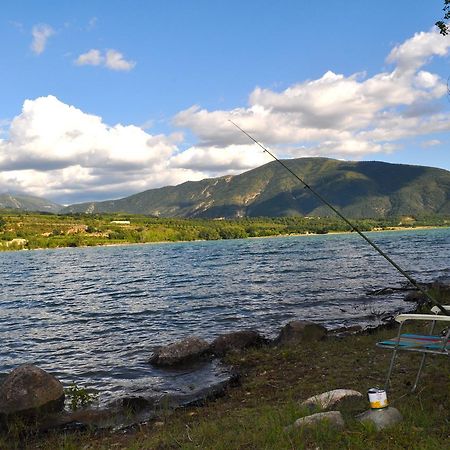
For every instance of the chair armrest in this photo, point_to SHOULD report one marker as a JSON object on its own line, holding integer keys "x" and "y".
{"x": 437, "y": 310}
{"x": 403, "y": 317}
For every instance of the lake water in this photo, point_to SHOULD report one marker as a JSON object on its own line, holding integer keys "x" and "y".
{"x": 93, "y": 315}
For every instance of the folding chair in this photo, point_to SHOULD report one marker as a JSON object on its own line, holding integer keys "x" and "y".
{"x": 425, "y": 344}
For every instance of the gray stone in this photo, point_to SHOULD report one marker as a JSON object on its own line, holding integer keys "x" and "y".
{"x": 381, "y": 418}
{"x": 237, "y": 340}
{"x": 29, "y": 390}
{"x": 301, "y": 331}
{"x": 331, "y": 398}
{"x": 333, "y": 418}
{"x": 185, "y": 351}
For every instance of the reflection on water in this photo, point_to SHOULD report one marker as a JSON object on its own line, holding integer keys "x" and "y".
{"x": 93, "y": 315}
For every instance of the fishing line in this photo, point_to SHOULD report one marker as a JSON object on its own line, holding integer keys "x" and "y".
{"x": 350, "y": 224}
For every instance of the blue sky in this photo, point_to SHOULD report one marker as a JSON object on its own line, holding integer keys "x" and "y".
{"x": 102, "y": 99}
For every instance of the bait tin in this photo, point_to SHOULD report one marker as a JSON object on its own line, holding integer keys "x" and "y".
{"x": 377, "y": 398}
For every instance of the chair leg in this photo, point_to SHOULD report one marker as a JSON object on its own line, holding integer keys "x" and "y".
{"x": 391, "y": 366}
{"x": 422, "y": 362}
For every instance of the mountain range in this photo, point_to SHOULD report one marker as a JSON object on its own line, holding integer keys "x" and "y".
{"x": 358, "y": 189}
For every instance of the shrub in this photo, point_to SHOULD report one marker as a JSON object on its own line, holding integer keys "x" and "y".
{"x": 79, "y": 397}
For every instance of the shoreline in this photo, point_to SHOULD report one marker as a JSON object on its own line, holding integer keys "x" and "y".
{"x": 267, "y": 396}
{"x": 120, "y": 244}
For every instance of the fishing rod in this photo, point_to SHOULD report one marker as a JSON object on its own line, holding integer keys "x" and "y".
{"x": 350, "y": 224}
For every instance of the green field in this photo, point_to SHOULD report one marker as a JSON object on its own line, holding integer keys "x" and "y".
{"x": 34, "y": 230}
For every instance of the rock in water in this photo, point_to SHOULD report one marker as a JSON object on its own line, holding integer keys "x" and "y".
{"x": 381, "y": 418}
{"x": 185, "y": 351}
{"x": 29, "y": 390}
{"x": 331, "y": 398}
{"x": 237, "y": 340}
{"x": 301, "y": 331}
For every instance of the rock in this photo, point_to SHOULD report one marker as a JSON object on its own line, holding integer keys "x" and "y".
{"x": 415, "y": 297}
{"x": 185, "y": 351}
{"x": 331, "y": 398}
{"x": 301, "y": 331}
{"x": 333, "y": 418}
{"x": 381, "y": 418}
{"x": 29, "y": 390}
{"x": 237, "y": 340}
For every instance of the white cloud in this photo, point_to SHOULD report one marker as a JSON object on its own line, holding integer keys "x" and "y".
{"x": 415, "y": 52}
{"x": 92, "y": 58}
{"x": 231, "y": 159}
{"x": 58, "y": 151}
{"x": 41, "y": 34}
{"x": 112, "y": 59}
{"x": 335, "y": 115}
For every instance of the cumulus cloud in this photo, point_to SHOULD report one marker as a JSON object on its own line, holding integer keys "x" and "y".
{"x": 60, "y": 152}
{"x": 336, "y": 115}
{"x": 41, "y": 33}
{"x": 231, "y": 159}
{"x": 415, "y": 52}
{"x": 112, "y": 59}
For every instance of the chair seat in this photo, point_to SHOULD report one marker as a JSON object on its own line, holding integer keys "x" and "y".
{"x": 416, "y": 341}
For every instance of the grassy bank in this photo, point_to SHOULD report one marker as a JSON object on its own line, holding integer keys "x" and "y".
{"x": 32, "y": 230}
{"x": 274, "y": 382}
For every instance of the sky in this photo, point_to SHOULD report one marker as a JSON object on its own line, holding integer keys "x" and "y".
{"x": 103, "y": 99}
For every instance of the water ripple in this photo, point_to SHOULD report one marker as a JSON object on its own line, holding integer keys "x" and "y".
{"x": 93, "y": 315}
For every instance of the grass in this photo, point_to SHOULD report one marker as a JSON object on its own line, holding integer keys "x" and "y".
{"x": 275, "y": 380}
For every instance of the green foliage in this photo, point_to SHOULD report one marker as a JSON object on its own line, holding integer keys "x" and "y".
{"x": 77, "y": 230}
{"x": 441, "y": 24}
{"x": 79, "y": 397}
{"x": 209, "y": 234}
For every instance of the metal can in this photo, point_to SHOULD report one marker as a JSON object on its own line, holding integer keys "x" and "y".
{"x": 377, "y": 398}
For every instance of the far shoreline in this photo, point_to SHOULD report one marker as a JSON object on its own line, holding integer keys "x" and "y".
{"x": 120, "y": 244}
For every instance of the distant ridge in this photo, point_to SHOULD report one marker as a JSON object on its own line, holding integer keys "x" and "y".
{"x": 359, "y": 189}
{"x": 25, "y": 202}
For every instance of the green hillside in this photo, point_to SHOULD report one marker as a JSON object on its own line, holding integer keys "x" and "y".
{"x": 28, "y": 203}
{"x": 358, "y": 189}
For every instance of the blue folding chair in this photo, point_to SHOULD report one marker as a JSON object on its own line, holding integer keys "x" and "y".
{"x": 419, "y": 343}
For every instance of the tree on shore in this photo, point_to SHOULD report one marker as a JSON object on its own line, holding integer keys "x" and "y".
{"x": 441, "y": 24}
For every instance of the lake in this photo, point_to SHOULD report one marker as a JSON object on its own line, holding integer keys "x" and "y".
{"x": 92, "y": 315}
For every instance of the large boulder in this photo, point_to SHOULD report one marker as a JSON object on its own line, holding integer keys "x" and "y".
{"x": 301, "y": 331}
{"x": 182, "y": 352}
{"x": 29, "y": 390}
{"x": 237, "y": 340}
